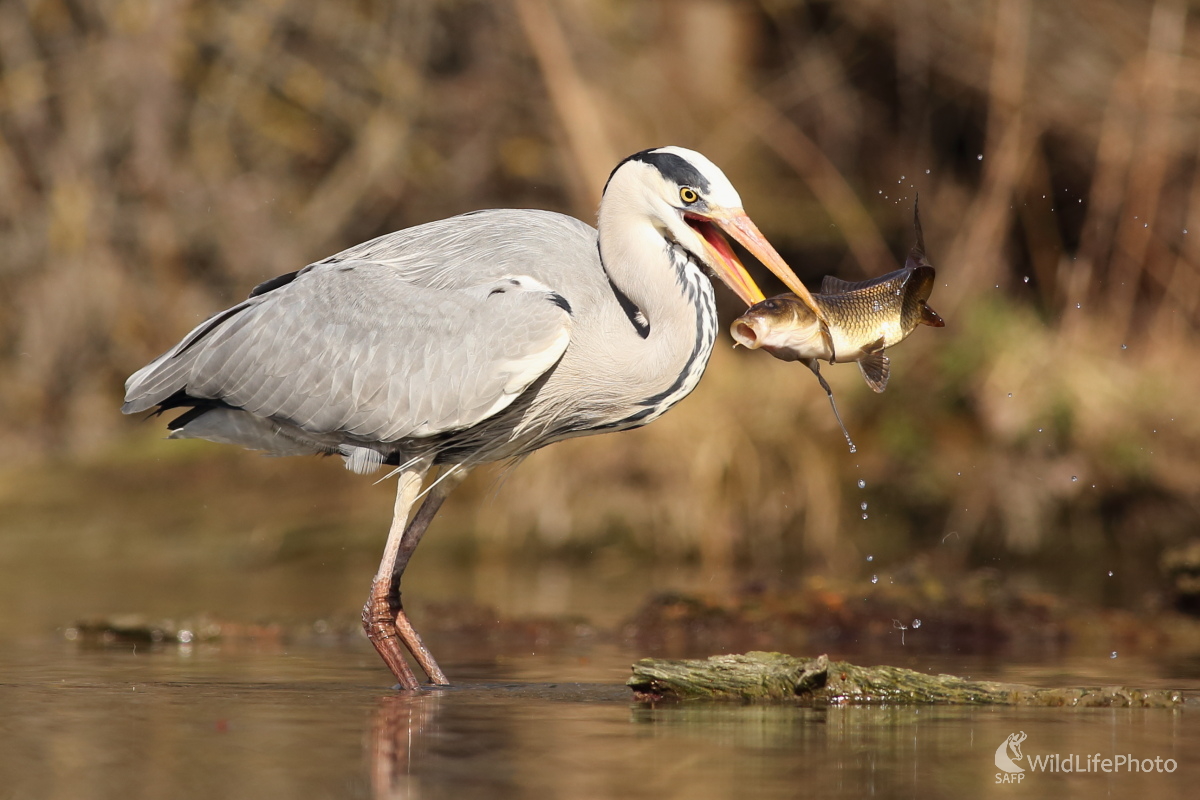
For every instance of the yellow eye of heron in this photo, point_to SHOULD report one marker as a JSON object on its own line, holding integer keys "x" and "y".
{"x": 688, "y": 195}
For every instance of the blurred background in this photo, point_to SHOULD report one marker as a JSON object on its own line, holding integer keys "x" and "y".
{"x": 158, "y": 159}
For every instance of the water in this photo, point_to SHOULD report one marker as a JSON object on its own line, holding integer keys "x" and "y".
{"x": 303, "y": 707}
{"x": 319, "y": 721}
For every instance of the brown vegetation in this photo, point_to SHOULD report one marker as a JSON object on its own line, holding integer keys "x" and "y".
{"x": 158, "y": 159}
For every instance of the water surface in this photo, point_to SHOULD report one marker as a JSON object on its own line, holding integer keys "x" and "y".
{"x": 299, "y": 705}
{"x": 318, "y": 720}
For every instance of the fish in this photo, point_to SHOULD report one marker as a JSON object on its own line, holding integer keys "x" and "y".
{"x": 864, "y": 318}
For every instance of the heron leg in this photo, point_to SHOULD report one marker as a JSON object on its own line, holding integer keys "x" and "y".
{"x": 379, "y": 614}
{"x": 384, "y": 619}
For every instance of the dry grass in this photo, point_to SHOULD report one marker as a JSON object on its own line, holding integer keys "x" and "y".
{"x": 158, "y": 159}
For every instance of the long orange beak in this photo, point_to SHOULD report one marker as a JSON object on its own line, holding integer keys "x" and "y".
{"x": 737, "y": 224}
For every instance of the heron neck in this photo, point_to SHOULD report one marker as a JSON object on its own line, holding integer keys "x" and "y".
{"x": 668, "y": 301}
{"x": 649, "y": 280}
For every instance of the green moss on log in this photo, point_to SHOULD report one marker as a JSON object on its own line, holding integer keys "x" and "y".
{"x": 760, "y": 676}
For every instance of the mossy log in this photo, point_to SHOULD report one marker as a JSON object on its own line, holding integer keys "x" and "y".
{"x": 777, "y": 677}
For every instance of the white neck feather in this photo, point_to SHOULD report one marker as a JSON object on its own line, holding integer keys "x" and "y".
{"x": 655, "y": 275}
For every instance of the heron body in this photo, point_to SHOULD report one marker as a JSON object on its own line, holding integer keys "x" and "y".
{"x": 468, "y": 340}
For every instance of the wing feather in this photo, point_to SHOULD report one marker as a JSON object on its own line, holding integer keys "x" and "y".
{"x": 353, "y": 348}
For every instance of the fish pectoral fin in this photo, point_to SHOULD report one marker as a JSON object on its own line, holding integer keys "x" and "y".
{"x": 930, "y": 317}
{"x": 875, "y": 368}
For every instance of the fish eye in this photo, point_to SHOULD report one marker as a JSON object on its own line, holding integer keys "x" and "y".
{"x": 688, "y": 195}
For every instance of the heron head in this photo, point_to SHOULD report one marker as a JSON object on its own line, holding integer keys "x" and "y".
{"x": 692, "y": 203}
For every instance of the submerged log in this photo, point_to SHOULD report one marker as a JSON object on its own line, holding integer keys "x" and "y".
{"x": 758, "y": 676}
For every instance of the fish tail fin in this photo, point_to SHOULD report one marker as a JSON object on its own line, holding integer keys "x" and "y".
{"x": 916, "y": 256}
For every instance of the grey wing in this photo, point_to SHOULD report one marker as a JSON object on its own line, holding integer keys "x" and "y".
{"x": 466, "y": 250}
{"x": 352, "y": 349}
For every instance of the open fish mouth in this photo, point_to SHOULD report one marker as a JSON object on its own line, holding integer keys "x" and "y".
{"x": 745, "y": 334}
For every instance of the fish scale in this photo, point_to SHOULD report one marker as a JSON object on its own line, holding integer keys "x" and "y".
{"x": 883, "y": 311}
{"x": 861, "y": 319}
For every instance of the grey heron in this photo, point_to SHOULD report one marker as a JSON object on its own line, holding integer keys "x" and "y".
{"x": 473, "y": 339}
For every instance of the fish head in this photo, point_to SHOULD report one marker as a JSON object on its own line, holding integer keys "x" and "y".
{"x": 785, "y": 327}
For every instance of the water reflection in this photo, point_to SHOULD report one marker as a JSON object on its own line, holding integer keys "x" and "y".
{"x": 587, "y": 740}
{"x": 308, "y": 720}
{"x": 399, "y": 726}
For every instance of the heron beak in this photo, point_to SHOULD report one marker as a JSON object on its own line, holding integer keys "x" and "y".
{"x": 737, "y": 224}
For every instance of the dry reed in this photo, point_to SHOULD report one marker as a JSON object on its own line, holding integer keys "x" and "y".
{"x": 158, "y": 159}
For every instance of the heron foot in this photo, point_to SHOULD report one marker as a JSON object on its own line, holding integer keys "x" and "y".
{"x": 412, "y": 640}
{"x": 391, "y": 632}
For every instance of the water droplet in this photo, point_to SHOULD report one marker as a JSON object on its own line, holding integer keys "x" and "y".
{"x": 870, "y": 558}
{"x": 862, "y": 484}
{"x": 1074, "y": 478}
{"x": 1145, "y": 224}
{"x": 1185, "y": 230}
{"x": 1124, "y": 347}
{"x": 916, "y": 623}
{"x": 1079, "y": 305}
{"x": 874, "y": 579}
{"x": 863, "y": 505}
{"x": 1025, "y": 279}
{"x": 1039, "y": 430}
{"x": 927, "y": 172}
{"x": 853, "y": 449}
{"x": 1110, "y": 573}
{"x": 979, "y": 157}
{"x": 1010, "y": 394}
{"x": 1114, "y": 654}
{"x": 959, "y": 474}
{"x": 864, "y": 516}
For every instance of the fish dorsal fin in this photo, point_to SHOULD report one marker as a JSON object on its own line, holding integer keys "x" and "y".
{"x": 875, "y": 366}
{"x": 832, "y": 285}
